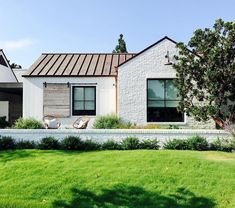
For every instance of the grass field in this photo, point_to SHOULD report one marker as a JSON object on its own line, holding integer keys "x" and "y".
{"x": 103, "y": 179}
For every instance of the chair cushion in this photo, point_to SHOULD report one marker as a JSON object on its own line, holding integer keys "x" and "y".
{"x": 52, "y": 124}
{"x": 80, "y": 125}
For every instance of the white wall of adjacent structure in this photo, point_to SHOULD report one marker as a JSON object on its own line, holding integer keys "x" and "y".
{"x": 33, "y": 96}
{"x": 6, "y": 74}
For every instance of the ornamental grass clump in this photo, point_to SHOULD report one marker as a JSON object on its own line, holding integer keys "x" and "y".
{"x": 130, "y": 143}
{"x": 110, "y": 121}
{"x": 27, "y": 123}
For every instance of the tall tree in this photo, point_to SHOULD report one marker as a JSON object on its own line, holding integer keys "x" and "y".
{"x": 121, "y": 46}
{"x": 206, "y": 77}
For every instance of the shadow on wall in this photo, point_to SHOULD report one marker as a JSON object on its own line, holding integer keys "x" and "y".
{"x": 133, "y": 197}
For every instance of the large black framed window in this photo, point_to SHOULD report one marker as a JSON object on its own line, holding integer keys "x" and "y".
{"x": 162, "y": 101}
{"x": 84, "y": 100}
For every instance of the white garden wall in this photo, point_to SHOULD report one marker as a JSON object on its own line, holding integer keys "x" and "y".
{"x": 33, "y": 95}
{"x": 101, "y": 135}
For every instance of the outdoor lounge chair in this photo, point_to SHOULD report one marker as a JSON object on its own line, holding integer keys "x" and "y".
{"x": 51, "y": 122}
{"x": 81, "y": 123}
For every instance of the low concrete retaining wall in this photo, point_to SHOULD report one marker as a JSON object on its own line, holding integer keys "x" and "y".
{"x": 101, "y": 135}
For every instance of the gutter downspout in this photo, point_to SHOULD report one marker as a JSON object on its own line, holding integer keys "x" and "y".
{"x": 116, "y": 89}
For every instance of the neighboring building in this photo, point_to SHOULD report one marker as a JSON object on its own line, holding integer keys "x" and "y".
{"x": 11, "y": 89}
{"x": 136, "y": 86}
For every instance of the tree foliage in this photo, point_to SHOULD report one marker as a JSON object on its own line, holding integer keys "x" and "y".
{"x": 121, "y": 46}
{"x": 206, "y": 74}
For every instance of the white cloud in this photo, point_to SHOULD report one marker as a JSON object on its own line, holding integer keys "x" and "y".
{"x": 16, "y": 44}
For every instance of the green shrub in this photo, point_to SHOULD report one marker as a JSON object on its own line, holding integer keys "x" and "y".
{"x": 27, "y": 123}
{"x": 91, "y": 145}
{"x": 23, "y": 144}
{"x": 125, "y": 125}
{"x": 173, "y": 126}
{"x": 3, "y": 122}
{"x": 111, "y": 145}
{"x": 197, "y": 143}
{"x": 110, "y": 121}
{"x": 7, "y": 143}
{"x": 226, "y": 145}
{"x": 193, "y": 143}
{"x": 130, "y": 143}
{"x": 176, "y": 144}
{"x": 149, "y": 144}
{"x": 49, "y": 143}
{"x": 72, "y": 143}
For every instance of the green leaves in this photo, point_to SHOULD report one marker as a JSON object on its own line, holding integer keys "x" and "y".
{"x": 206, "y": 76}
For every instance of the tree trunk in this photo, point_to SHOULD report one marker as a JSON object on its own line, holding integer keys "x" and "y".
{"x": 219, "y": 122}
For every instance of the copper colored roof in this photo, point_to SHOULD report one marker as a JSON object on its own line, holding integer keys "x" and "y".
{"x": 77, "y": 64}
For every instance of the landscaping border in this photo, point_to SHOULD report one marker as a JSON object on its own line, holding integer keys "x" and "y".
{"x": 102, "y": 135}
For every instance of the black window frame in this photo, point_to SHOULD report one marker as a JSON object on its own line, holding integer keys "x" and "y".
{"x": 167, "y": 112}
{"x": 83, "y": 112}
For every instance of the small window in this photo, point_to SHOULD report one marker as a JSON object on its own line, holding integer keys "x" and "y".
{"x": 84, "y": 101}
{"x": 162, "y": 101}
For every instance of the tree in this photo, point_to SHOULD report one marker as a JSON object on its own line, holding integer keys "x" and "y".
{"x": 206, "y": 74}
{"x": 121, "y": 47}
{"x": 15, "y": 66}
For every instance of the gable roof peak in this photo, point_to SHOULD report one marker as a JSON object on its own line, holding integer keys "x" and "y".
{"x": 164, "y": 38}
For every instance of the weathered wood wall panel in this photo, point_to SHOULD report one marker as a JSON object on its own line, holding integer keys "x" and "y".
{"x": 56, "y": 100}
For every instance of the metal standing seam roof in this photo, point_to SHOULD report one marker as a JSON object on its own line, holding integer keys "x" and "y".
{"x": 77, "y": 64}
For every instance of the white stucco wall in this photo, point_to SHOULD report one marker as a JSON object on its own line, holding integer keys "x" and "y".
{"x": 33, "y": 96}
{"x": 6, "y": 74}
{"x": 4, "y": 109}
{"x": 18, "y": 73}
{"x": 132, "y": 83}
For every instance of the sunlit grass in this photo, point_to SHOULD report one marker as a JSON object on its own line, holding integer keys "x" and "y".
{"x": 141, "y": 178}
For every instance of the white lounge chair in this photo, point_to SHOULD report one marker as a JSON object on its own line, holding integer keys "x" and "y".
{"x": 51, "y": 122}
{"x": 81, "y": 123}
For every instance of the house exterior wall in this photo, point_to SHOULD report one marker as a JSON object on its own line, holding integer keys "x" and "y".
{"x": 132, "y": 83}
{"x": 6, "y": 73}
{"x": 18, "y": 73}
{"x": 33, "y": 96}
{"x": 14, "y": 100}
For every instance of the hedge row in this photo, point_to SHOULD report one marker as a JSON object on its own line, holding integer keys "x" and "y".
{"x": 129, "y": 143}
{"x": 75, "y": 143}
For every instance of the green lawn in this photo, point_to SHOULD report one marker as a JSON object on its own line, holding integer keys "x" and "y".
{"x": 141, "y": 178}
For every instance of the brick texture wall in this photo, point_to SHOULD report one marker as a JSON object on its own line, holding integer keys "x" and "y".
{"x": 132, "y": 83}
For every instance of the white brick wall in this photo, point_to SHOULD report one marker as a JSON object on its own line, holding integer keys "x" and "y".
{"x": 132, "y": 83}
{"x": 102, "y": 135}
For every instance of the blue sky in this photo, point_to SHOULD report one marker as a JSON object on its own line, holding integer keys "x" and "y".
{"x": 29, "y": 27}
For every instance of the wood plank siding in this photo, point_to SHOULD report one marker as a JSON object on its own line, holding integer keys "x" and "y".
{"x": 56, "y": 100}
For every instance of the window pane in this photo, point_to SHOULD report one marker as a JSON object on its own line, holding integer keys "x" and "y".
{"x": 156, "y": 89}
{"x": 78, "y": 93}
{"x": 153, "y": 104}
{"x": 172, "y": 104}
{"x": 89, "y": 93}
{"x": 78, "y": 105}
{"x": 171, "y": 90}
{"x": 89, "y": 105}
{"x": 164, "y": 115}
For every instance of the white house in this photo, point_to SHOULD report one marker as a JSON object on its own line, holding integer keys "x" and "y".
{"x": 71, "y": 85}
{"x": 138, "y": 87}
{"x": 11, "y": 88}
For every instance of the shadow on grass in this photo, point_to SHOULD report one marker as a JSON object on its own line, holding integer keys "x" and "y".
{"x": 133, "y": 197}
{"x": 9, "y": 155}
